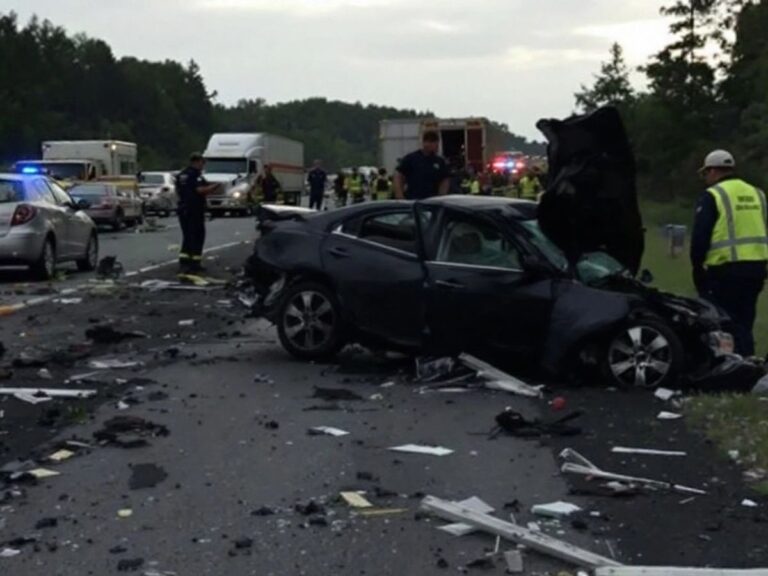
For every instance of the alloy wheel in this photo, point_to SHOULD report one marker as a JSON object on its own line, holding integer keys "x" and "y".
{"x": 309, "y": 320}
{"x": 640, "y": 356}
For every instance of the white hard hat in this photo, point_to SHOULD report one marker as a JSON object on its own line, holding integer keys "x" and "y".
{"x": 719, "y": 159}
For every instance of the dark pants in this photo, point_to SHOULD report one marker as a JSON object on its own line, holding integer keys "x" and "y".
{"x": 738, "y": 297}
{"x": 316, "y": 199}
{"x": 193, "y": 237}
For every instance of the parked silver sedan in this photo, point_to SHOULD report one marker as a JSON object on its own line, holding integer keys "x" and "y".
{"x": 158, "y": 191}
{"x": 41, "y": 226}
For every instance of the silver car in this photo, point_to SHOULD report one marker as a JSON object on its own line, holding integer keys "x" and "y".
{"x": 41, "y": 226}
{"x": 158, "y": 191}
{"x": 110, "y": 203}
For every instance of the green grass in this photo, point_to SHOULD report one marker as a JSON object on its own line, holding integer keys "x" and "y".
{"x": 735, "y": 422}
{"x": 673, "y": 274}
{"x": 732, "y": 421}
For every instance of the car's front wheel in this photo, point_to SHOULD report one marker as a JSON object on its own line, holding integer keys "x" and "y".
{"x": 309, "y": 322}
{"x": 644, "y": 353}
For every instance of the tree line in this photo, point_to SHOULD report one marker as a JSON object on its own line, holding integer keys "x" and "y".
{"x": 707, "y": 89}
{"x": 58, "y": 86}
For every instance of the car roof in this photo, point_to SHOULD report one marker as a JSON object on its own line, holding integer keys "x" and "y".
{"x": 521, "y": 209}
{"x": 20, "y": 177}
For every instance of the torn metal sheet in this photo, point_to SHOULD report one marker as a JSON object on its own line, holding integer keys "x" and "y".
{"x": 534, "y": 540}
{"x": 51, "y": 392}
{"x": 514, "y": 560}
{"x": 646, "y": 451}
{"x": 575, "y": 463}
{"x": 674, "y": 571}
{"x": 498, "y": 380}
{"x": 665, "y": 394}
{"x": 419, "y": 449}
{"x": 31, "y": 398}
{"x": 61, "y": 455}
{"x": 461, "y": 529}
{"x": 663, "y": 415}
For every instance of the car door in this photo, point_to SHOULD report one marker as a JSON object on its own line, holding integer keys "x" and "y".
{"x": 479, "y": 297}
{"x": 78, "y": 225}
{"x": 54, "y": 214}
{"x": 373, "y": 259}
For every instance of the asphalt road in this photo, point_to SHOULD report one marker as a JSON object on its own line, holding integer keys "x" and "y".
{"x": 135, "y": 248}
{"x": 219, "y": 494}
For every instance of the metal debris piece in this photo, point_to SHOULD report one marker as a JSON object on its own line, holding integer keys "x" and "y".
{"x": 419, "y": 449}
{"x": 575, "y": 463}
{"x": 356, "y": 500}
{"x": 555, "y": 509}
{"x": 498, "y": 380}
{"x": 646, "y": 451}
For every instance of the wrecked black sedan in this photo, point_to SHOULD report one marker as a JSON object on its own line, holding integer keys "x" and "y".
{"x": 473, "y": 274}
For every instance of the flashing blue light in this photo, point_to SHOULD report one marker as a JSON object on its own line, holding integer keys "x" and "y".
{"x": 30, "y": 170}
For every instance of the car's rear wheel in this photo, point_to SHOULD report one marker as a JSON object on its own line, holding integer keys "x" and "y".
{"x": 45, "y": 266}
{"x": 644, "y": 353}
{"x": 91, "y": 259}
{"x": 309, "y": 322}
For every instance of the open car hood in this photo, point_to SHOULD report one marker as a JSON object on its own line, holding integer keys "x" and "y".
{"x": 591, "y": 200}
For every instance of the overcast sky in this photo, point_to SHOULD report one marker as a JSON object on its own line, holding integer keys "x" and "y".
{"x": 510, "y": 60}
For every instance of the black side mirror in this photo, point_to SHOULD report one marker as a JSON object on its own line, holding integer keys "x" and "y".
{"x": 646, "y": 277}
{"x": 535, "y": 265}
{"x": 82, "y": 204}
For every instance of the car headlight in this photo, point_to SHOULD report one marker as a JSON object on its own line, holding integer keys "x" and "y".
{"x": 721, "y": 343}
{"x": 237, "y": 194}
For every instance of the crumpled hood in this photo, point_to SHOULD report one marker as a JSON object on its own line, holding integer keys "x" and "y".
{"x": 591, "y": 199}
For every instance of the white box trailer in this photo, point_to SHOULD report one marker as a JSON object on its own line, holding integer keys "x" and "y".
{"x": 463, "y": 141}
{"x": 237, "y": 160}
{"x": 110, "y": 158}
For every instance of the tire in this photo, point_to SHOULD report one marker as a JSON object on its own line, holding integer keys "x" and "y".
{"x": 645, "y": 353}
{"x": 119, "y": 222}
{"x": 91, "y": 259}
{"x": 45, "y": 266}
{"x": 139, "y": 220}
{"x": 309, "y": 322}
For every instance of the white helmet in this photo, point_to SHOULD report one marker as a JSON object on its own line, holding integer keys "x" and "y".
{"x": 719, "y": 159}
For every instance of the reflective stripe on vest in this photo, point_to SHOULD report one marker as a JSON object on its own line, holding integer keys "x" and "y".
{"x": 355, "y": 185}
{"x": 740, "y": 232}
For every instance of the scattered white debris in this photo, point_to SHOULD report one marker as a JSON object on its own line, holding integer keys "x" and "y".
{"x": 665, "y": 394}
{"x": 31, "y": 398}
{"x": 329, "y": 430}
{"x": 461, "y": 529}
{"x": 123, "y": 405}
{"x": 646, "y": 451}
{"x": 112, "y": 364}
{"x": 514, "y": 560}
{"x": 749, "y": 503}
{"x": 41, "y": 473}
{"x": 61, "y": 455}
{"x": 669, "y": 415}
{"x": 555, "y": 509}
{"x": 186, "y": 323}
{"x": 9, "y": 552}
{"x": 387, "y": 385}
{"x": 49, "y": 392}
{"x": 419, "y": 449}
{"x": 356, "y": 500}
{"x": 125, "y": 513}
{"x": 498, "y": 380}
{"x": 733, "y": 455}
{"x": 67, "y": 301}
{"x": 45, "y": 374}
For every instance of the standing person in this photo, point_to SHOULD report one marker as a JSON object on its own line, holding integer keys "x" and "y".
{"x": 340, "y": 189}
{"x": 382, "y": 186}
{"x": 191, "y": 189}
{"x": 423, "y": 173}
{"x": 729, "y": 247}
{"x": 270, "y": 185}
{"x": 355, "y": 187}
{"x": 530, "y": 186}
{"x": 317, "y": 179}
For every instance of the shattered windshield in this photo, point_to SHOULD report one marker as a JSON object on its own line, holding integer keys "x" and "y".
{"x": 545, "y": 245}
{"x": 596, "y": 266}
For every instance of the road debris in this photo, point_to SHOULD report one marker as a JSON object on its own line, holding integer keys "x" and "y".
{"x": 49, "y": 392}
{"x": 61, "y": 455}
{"x": 327, "y": 431}
{"x": 575, "y": 463}
{"x": 498, "y": 380}
{"x": 356, "y": 499}
{"x": 130, "y": 565}
{"x": 129, "y": 431}
{"x": 125, "y": 513}
{"x": 516, "y": 424}
{"x": 109, "y": 268}
{"x": 674, "y": 571}
{"x": 420, "y": 449}
{"x": 665, "y": 394}
{"x": 186, "y": 323}
{"x": 534, "y": 540}
{"x": 336, "y": 394}
{"x": 555, "y": 509}
{"x": 514, "y": 561}
{"x": 646, "y": 451}
{"x": 113, "y": 364}
{"x": 106, "y": 334}
{"x": 461, "y": 529}
{"x": 747, "y": 503}
{"x": 663, "y": 415}
{"x": 45, "y": 374}
{"x": 9, "y": 552}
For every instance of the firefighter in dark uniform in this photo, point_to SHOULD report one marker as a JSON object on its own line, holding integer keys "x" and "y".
{"x": 191, "y": 189}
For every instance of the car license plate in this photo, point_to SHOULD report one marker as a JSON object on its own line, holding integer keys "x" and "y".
{"x": 721, "y": 343}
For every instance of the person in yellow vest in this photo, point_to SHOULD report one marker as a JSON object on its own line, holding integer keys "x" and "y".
{"x": 729, "y": 245}
{"x": 529, "y": 187}
{"x": 381, "y": 186}
{"x": 474, "y": 185}
{"x": 355, "y": 187}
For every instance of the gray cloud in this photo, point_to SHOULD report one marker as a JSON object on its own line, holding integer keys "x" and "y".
{"x": 511, "y": 60}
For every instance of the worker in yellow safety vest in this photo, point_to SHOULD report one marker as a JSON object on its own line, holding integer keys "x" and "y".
{"x": 529, "y": 187}
{"x": 381, "y": 187}
{"x": 355, "y": 187}
{"x": 474, "y": 185}
{"x": 729, "y": 245}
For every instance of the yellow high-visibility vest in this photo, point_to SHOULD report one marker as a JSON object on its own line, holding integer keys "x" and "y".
{"x": 474, "y": 188}
{"x": 355, "y": 184}
{"x": 529, "y": 188}
{"x": 740, "y": 233}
